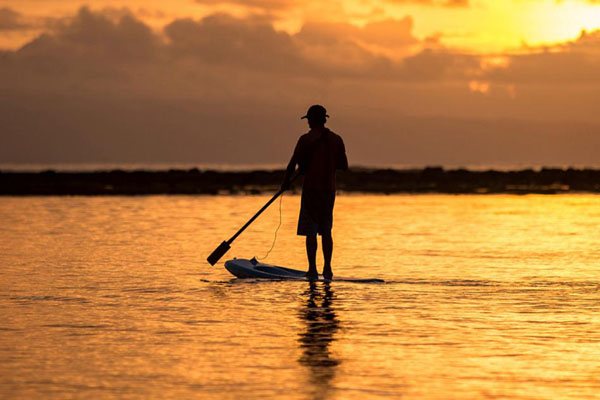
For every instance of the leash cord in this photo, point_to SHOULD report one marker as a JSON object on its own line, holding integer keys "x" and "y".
{"x": 276, "y": 230}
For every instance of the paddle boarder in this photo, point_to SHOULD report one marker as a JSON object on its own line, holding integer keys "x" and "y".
{"x": 318, "y": 154}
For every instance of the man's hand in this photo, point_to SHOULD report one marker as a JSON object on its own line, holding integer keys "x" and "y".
{"x": 286, "y": 184}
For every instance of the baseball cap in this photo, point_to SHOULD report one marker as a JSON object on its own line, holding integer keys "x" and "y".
{"x": 316, "y": 110}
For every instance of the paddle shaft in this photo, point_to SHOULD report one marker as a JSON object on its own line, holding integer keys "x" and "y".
{"x": 243, "y": 228}
{"x": 224, "y": 247}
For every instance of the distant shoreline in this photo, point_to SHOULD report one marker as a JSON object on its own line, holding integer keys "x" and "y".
{"x": 361, "y": 180}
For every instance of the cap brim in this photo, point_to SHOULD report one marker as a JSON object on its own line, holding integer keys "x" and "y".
{"x": 306, "y": 116}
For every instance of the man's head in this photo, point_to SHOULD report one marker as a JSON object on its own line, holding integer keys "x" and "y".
{"x": 316, "y": 115}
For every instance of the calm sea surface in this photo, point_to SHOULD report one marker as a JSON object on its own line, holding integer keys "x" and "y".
{"x": 485, "y": 297}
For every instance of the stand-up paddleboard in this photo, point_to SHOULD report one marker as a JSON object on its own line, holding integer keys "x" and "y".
{"x": 243, "y": 268}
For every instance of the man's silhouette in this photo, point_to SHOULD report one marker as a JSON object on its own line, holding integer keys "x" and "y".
{"x": 318, "y": 154}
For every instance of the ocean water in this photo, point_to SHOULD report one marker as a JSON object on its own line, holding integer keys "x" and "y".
{"x": 485, "y": 297}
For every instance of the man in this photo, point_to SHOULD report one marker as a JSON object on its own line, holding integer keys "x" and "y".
{"x": 318, "y": 154}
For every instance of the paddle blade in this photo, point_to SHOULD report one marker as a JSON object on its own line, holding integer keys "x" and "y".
{"x": 218, "y": 253}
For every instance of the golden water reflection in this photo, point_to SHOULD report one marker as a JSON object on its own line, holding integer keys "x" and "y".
{"x": 485, "y": 296}
{"x": 320, "y": 326}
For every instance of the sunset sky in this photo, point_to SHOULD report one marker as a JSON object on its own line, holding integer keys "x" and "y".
{"x": 413, "y": 83}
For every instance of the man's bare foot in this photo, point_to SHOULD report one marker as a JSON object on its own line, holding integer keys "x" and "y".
{"x": 327, "y": 273}
{"x": 312, "y": 275}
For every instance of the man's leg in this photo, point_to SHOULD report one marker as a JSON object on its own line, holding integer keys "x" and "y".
{"x": 327, "y": 243}
{"x": 311, "y": 254}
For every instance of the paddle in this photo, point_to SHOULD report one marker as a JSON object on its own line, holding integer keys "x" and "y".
{"x": 220, "y": 251}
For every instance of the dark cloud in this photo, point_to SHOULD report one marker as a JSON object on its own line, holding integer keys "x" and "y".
{"x": 343, "y": 49}
{"x": 437, "y": 65}
{"x": 223, "y": 40}
{"x": 97, "y": 36}
{"x": 11, "y": 20}
{"x": 104, "y": 87}
{"x": 86, "y": 51}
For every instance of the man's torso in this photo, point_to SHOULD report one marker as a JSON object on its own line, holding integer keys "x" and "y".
{"x": 319, "y": 152}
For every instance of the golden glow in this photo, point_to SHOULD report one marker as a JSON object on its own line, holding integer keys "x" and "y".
{"x": 479, "y": 87}
{"x": 562, "y": 21}
{"x": 492, "y": 26}
{"x": 486, "y": 26}
{"x": 494, "y": 62}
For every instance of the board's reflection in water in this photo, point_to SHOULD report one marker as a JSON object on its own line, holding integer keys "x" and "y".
{"x": 321, "y": 323}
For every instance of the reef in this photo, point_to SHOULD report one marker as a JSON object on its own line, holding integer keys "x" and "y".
{"x": 360, "y": 180}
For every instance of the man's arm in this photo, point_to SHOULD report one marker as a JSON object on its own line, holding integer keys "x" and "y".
{"x": 291, "y": 167}
{"x": 342, "y": 160}
{"x": 289, "y": 171}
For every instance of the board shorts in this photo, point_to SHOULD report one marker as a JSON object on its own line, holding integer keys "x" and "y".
{"x": 316, "y": 212}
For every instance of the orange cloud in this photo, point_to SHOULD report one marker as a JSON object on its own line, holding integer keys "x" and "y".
{"x": 443, "y": 3}
{"x": 576, "y": 62}
{"x": 103, "y": 87}
{"x": 266, "y": 4}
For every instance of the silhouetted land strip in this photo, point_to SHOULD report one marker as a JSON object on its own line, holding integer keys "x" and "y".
{"x": 194, "y": 181}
